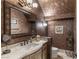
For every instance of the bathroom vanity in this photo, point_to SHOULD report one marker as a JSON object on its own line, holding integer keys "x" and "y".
{"x": 35, "y": 50}
{"x": 39, "y": 54}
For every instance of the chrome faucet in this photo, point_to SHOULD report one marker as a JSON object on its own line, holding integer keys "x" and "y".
{"x": 23, "y": 43}
{"x": 26, "y": 42}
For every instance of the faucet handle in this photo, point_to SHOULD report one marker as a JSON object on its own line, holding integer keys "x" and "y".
{"x": 24, "y": 42}
{"x": 21, "y": 43}
{"x": 27, "y": 41}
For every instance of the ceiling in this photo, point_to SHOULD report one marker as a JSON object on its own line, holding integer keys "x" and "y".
{"x": 52, "y": 7}
{"x": 57, "y": 7}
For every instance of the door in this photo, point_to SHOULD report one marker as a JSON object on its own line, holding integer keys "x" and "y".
{"x": 58, "y": 30}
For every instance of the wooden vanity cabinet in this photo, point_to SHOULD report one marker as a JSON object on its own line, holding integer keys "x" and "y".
{"x": 36, "y": 55}
{"x": 42, "y": 53}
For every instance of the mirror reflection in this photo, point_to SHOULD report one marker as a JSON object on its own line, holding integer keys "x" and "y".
{"x": 19, "y": 22}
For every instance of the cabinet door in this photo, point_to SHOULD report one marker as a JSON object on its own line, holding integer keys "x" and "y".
{"x": 27, "y": 57}
{"x": 45, "y": 51}
{"x": 33, "y": 56}
{"x": 39, "y": 54}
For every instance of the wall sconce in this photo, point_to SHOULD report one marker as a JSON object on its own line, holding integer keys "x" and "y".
{"x": 35, "y": 5}
{"x": 28, "y": 3}
{"x": 44, "y": 24}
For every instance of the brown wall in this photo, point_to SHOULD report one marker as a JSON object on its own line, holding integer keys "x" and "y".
{"x": 59, "y": 9}
{"x": 2, "y": 16}
{"x": 41, "y": 29}
{"x": 59, "y": 40}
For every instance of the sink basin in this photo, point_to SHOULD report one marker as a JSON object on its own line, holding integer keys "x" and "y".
{"x": 33, "y": 45}
{"x": 40, "y": 42}
{"x": 28, "y": 46}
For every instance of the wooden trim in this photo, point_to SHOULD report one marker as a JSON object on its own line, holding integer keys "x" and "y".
{"x": 9, "y": 21}
{"x": 49, "y": 48}
{"x": 60, "y": 17}
{"x": 13, "y": 36}
{"x": 4, "y": 15}
{"x": 6, "y": 19}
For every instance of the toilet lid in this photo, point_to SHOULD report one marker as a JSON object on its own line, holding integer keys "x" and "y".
{"x": 54, "y": 48}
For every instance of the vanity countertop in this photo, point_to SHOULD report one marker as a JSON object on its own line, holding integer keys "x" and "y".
{"x": 18, "y": 52}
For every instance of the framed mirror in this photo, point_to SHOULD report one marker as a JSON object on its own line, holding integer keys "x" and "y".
{"x": 17, "y": 21}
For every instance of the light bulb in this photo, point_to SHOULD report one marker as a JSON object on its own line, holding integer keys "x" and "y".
{"x": 29, "y": 1}
{"x": 35, "y": 5}
{"x": 44, "y": 24}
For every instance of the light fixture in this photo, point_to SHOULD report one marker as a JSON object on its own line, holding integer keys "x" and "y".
{"x": 28, "y": 3}
{"x": 35, "y": 5}
{"x": 44, "y": 24}
{"x": 45, "y": 1}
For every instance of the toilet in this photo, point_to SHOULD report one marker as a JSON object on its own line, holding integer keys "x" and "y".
{"x": 54, "y": 52}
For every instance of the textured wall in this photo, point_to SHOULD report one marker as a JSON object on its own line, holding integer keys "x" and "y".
{"x": 41, "y": 29}
{"x": 2, "y": 16}
{"x": 56, "y": 10}
{"x": 57, "y": 7}
{"x": 59, "y": 40}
